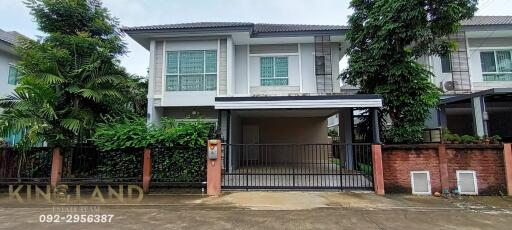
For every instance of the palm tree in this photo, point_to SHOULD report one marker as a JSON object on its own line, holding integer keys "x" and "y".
{"x": 60, "y": 108}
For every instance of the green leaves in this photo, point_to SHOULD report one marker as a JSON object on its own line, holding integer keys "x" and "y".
{"x": 136, "y": 133}
{"x": 71, "y": 124}
{"x": 72, "y": 77}
{"x": 386, "y": 39}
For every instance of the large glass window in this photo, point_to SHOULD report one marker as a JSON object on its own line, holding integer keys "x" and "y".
{"x": 496, "y": 65}
{"x": 13, "y": 75}
{"x": 274, "y": 71}
{"x": 191, "y": 70}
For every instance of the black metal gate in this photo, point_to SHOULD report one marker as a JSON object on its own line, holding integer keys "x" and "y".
{"x": 297, "y": 166}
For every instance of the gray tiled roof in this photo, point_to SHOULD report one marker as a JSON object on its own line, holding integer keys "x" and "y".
{"x": 276, "y": 28}
{"x": 488, "y": 20}
{"x": 9, "y": 36}
{"x": 193, "y": 25}
{"x": 253, "y": 27}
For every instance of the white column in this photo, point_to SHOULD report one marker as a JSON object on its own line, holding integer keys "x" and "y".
{"x": 230, "y": 67}
{"x": 478, "y": 110}
{"x": 152, "y": 115}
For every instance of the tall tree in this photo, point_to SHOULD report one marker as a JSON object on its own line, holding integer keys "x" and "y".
{"x": 70, "y": 78}
{"x": 386, "y": 39}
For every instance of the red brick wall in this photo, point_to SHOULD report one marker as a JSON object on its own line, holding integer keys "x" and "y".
{"x": 487, "y": 163}
{"x": 487, "y": 160}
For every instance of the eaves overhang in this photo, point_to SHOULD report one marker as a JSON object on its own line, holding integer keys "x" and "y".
{"x": 299, "y": 102}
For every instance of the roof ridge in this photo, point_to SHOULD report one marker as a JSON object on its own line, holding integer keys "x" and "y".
{"x": 492, "y": 16}
{"x": 296, "y": 24}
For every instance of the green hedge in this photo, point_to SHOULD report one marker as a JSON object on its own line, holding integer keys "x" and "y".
{"x": 178, "y": 149}
{"x": 178, "y": 164}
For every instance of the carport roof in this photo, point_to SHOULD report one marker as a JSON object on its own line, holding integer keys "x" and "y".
{"x": 489, "y": 92}
{"x": 299, "y": 102}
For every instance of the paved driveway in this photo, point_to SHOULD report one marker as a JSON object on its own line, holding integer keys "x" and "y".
{"x": 274, "y": 210}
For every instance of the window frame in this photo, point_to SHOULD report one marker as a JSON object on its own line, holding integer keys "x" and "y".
{"x": 274, "y": 71}
{"x": 13, "y": 67}
{"x": 475, "y": 181}
{"x": 448, "y": 58}
{"x": 179, "y": 75}
{"x": 428, "y": 183}
{"x": 497, "y": 71}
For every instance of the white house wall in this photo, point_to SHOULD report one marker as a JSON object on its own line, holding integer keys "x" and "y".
{"x": 241, "y": 57}
{"x": 335, "y": 58}
{"x": 238, "y": 70}
{"x": 158, "y": 68}
{"x": 293, "y": 77}
{"x": 188, "y": 98}
{"x": 477, "y": 45}
{"x": 307, "y": 56}
{"x": 438, "y": 71}
{"x": 223, "y": 68}
{"x": 490, "y": 42}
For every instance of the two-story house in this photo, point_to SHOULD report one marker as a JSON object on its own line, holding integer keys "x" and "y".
{"x": 276, "y": 80}
{"x": 8, "y": 71}
{"x": 476, "y": 79}
{"x": 271, "y": 84}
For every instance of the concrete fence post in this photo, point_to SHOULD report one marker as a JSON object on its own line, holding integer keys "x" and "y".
{"x": 56, "y": 173}
{"x": 443, "y": 168}
{"x": 378, "y": 171}
{"x": 146, "y": 170}
{"x": 213, "y": 168}
{"x": 507, "y": 158}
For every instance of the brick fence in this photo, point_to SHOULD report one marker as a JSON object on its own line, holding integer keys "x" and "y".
{"x": 442, "y": 161}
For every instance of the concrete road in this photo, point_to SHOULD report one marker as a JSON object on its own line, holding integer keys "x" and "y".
{"x": 267, "y": 210}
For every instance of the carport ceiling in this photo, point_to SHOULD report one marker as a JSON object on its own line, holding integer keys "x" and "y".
{"x": 287, "y": 113}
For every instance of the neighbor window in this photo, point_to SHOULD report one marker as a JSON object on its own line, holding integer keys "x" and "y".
{"x": 13, "y": 75}
{"x": 446, "y": 64}
{"x": 274, "y": 71}
{"x": 191, "y": 70}
{"x": 496, "y": 65}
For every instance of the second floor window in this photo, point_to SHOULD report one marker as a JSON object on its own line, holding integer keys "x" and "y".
{"x": 496, "y": 65}
{"x": 191, "y": 70}
{"x": 274, "y": 71}
{"x": 446, "y": 63}
{"x": 13, "y": 75}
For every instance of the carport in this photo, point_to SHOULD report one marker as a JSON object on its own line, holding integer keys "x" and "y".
{"x": 280, "y": 142}
{"x": 484, "y": 113}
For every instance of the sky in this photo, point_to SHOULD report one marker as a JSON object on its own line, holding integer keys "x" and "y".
{"x": 15, "y": 16}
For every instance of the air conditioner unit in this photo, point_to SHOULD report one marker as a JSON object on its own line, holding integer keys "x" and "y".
{"x": 448, "y": 86}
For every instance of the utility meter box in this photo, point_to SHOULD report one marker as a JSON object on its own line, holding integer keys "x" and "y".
{"x": 212, "y": 150}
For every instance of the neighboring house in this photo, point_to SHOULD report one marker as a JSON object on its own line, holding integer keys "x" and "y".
{"x": 260, "y": 83}
{"x": 476, "y": 79}
{"x": 8, "y": 71}
{"x": 8, "y": 59}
